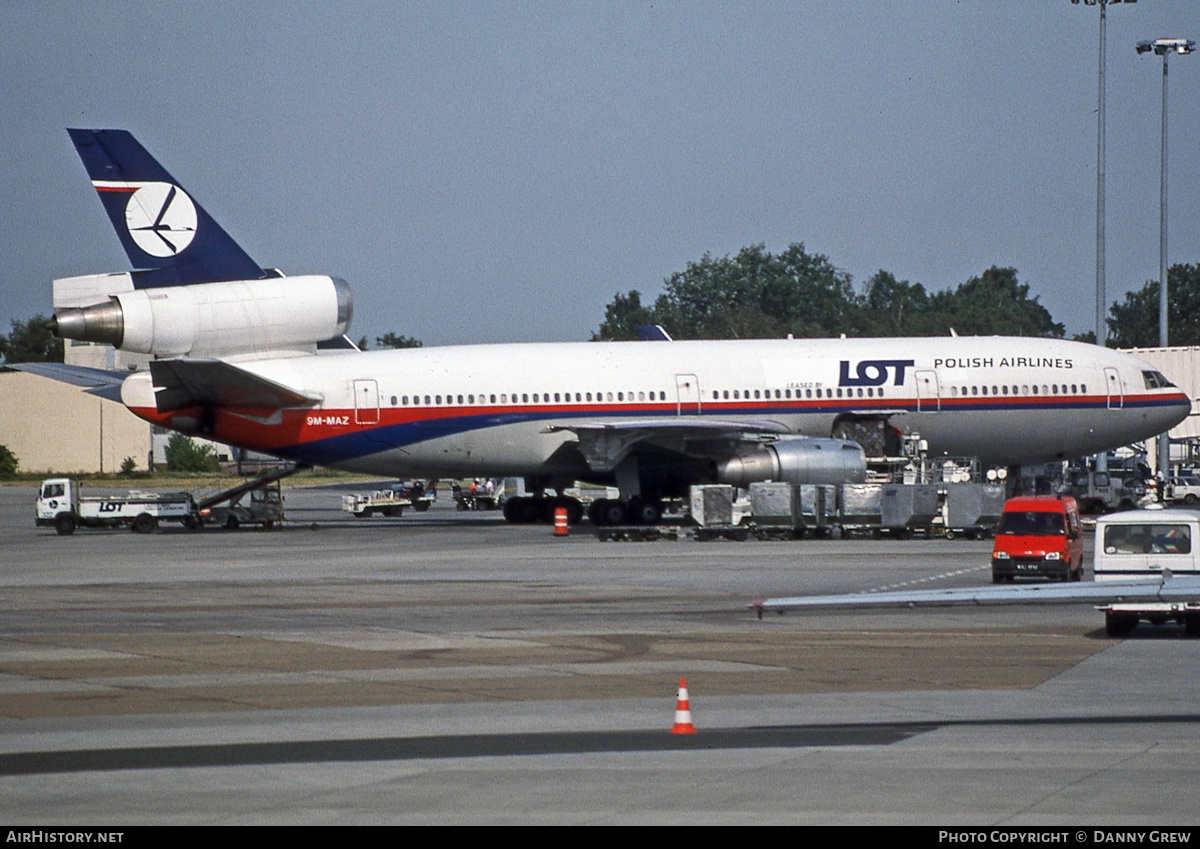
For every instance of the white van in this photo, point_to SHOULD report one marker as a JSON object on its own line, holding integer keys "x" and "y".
{"x": 1144, "y": 543}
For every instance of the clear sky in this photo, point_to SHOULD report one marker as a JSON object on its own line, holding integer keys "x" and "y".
{"x": 486, "y": 171}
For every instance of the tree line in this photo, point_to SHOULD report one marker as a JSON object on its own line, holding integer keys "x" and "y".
{"x": 758, "y": 295}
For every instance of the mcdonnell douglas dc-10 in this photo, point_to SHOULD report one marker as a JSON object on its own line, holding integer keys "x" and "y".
{"x": 250, "y": 357}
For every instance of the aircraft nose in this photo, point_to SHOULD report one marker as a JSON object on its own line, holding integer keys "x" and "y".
{"x": 1168, "y": 416}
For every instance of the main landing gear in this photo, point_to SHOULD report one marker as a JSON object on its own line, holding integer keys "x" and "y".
{"x": 612, "y": 511}
{"x": 530, "y": 509}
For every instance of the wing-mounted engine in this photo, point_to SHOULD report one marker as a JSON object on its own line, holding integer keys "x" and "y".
{"x": 796, "y": 460}
{"x": 735, "y": 452}
{"x": 208, "y": 319}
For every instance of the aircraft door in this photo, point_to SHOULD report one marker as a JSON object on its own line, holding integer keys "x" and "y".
{"x": 929, "y": 394}
{"x": 1112, "y": 386}
{"x": 687, "y": 393}
{"x": 366, "y": 402}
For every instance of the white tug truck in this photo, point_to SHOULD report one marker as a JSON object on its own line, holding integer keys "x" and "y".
{"x": 61, "y": 505}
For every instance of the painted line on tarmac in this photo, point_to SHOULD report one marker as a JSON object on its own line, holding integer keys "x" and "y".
{"x": 956, "y": 573}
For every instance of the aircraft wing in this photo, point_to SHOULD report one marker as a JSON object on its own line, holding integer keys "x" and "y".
{"x": 1168, "y": 589}
{"x": 183, "y": 383}
{"x": 604, "y": 445}
{"x": 95, "y": 381}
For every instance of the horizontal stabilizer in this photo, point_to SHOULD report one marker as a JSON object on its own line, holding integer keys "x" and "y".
{"x": 95, "y": 381}
{"x": 180, "y": 384}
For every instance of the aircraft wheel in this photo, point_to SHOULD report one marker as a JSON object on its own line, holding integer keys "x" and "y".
{"x": 522, "y": 511}
{"x": 64, "y": 524}
{"x": 574, "y": 509}
{"x": 644, "y": 512}
{"x": 613, "y": 512}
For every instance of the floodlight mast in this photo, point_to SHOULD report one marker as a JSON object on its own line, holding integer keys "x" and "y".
{"x": 1164, "y": 47}
{"x": 1101, "y": 296}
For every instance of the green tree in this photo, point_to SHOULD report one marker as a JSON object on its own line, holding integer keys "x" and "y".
{"x": 623, "y": 317}
{"x": 994, "y": 303}
{"x": 184, "y": 455}
{"x": 752, "y": 295}
{"x": 896, "y": 307}
{"x": 31, "y": 342}
{"x": 8, "y": 463}
{"x": 1133, "y": 322}
{"x": 391, "y": 340}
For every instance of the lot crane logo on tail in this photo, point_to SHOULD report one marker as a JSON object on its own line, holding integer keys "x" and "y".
{"x": 160, "y": 217}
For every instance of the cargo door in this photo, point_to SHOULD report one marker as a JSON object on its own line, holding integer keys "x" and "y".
{"x": 929, "y": 394}
{"x": 687, "y": 393}
{"x": 366, "y": 402}
{"x": 1112, "y": 386}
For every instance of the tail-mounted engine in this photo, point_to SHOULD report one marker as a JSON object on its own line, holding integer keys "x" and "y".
{"x": 207, "y": 319}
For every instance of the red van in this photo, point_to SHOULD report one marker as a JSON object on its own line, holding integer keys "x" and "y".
{"x": 1038, "y": 536}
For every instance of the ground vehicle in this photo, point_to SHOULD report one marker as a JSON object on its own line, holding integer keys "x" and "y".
{"x": 1148, "y": 544}
{"x": 388, "y": 502}
{"x": 1038, "y": 536}
{"x": 1185, "y": 489}
{"x": 485, "y": 495}
{"x": 1101, "y": 492}
{"x": 61, "y": 505}
{"x": 265, "y": 509}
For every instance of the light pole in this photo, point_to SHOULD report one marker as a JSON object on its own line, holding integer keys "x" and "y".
{"x": 1164, "y": 47}
{"x": 1101, "y": 297}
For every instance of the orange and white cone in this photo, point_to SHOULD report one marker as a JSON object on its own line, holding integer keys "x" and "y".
{"x": 683, "y": 711}
{"x": 560, "y": 522}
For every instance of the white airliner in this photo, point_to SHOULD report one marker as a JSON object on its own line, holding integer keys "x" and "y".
{"x": 244, "y": 356}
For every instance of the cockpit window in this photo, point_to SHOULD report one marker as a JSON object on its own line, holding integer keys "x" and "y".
{"x": 1156, "y": 380}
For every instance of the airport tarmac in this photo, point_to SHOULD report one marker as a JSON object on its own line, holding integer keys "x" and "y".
{"x": 447, "y": 668}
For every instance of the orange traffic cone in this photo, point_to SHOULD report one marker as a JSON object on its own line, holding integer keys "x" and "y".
{"x": 683, "y": 711}
{"x": 560, "y": 522}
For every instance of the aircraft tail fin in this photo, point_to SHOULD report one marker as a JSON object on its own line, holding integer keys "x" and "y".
{"x": 169, "y": 238}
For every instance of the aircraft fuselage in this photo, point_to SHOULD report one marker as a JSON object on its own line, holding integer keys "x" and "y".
{"x": 484, "y": 409}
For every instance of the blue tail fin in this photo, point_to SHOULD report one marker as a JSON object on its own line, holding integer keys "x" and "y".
{"x": 168, "y": 237}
